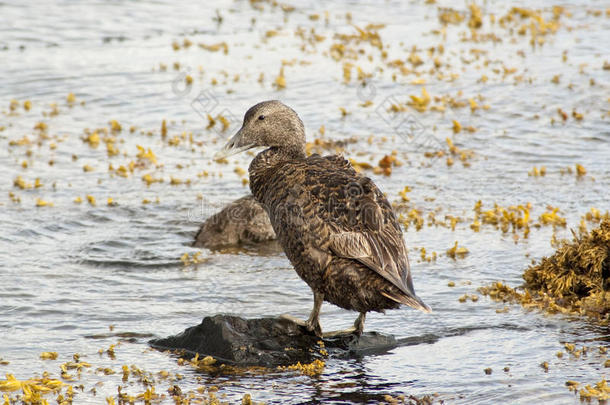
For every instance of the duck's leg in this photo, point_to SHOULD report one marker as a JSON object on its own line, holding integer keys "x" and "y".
{"x": 356, "y": 330}
{"x": 313, "y": 322}
{"x": 359, "y": 324}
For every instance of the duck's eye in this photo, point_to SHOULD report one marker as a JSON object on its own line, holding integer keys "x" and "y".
{"x": 261, "y": 117}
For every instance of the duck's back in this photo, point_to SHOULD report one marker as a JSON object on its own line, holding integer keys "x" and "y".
{"x": 322, "y": 210}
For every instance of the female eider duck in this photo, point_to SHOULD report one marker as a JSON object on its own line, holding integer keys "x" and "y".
{"x": 335, "y": 226}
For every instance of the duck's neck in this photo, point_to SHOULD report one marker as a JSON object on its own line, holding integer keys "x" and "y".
{"x": 269, "y": 161}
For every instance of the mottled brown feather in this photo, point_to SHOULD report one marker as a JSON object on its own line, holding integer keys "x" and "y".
{"x": 322, "y": 209}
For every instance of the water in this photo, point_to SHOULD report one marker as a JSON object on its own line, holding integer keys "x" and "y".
{"x": 75, "y": 278}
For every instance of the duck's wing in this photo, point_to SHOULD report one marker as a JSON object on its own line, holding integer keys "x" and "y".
{"x": 355, "y": 220}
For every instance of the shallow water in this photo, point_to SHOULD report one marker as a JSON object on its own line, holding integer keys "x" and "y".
{"x": 72, "y": 272}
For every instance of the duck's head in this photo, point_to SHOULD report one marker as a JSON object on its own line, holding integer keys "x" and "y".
{"x": 268, "y": 124}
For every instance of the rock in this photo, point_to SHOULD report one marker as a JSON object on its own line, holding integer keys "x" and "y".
{"x": 244, "y": 221}
{"x": 267, "y": 342}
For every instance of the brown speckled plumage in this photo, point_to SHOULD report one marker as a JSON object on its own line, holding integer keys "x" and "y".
{"x": 335, "y": 226}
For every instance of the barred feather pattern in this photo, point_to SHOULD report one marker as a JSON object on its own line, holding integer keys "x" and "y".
{"x": 337, "y": 229}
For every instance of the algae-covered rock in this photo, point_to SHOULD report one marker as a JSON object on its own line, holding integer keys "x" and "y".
{"x": 244, "y": 221}
{"x": 575, "y": 280}
{"x": 578, "y": 274}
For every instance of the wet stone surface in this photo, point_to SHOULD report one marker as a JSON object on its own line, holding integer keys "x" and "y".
{"x": 267, "y": 342}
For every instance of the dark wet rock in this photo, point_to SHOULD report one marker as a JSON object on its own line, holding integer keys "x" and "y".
{"x": 244, "y": 221}
{"x": 267, "y": 342}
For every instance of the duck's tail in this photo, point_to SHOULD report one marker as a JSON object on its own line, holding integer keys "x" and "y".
{"x": 411, "y": 300}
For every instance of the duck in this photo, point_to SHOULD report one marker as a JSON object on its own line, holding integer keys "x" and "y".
{"x": 335, "y": 226}
{"x": 242, "y": 222}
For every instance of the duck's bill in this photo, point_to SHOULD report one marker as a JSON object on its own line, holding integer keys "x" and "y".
{"x": 229, "y": 150}
{"x": 232, "y": 147}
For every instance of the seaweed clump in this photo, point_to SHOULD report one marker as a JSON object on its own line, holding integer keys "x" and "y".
{"x": 576, "y": 279}
{"x": 578, "y": 274}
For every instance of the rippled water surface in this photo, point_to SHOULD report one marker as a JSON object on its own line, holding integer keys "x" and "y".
{"x": 78, "y": 277}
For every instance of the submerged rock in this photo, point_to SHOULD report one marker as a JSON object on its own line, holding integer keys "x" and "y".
{"x": 267, "y": 342}
{"x": 244, "y": 221}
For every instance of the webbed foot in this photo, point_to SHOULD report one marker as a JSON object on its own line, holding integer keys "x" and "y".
{"x": 312, "y": 326}
{"x": 337, "y": 333}
{"x": 356, "y": 330}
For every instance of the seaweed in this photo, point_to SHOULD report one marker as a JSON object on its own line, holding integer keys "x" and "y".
{"x": 578, "y": 274}
{"x": 575, "y": 279}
